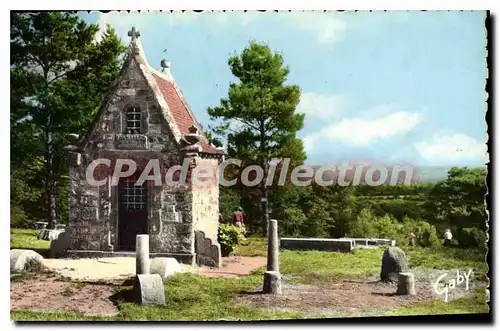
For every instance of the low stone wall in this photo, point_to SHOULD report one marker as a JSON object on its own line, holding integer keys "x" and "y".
{"x": 207, "y": 252}
{"x": 317, "y": 244}
{"x": 372, "y": 241}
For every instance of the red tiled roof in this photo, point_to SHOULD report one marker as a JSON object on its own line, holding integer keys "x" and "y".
{"x": 182, "y": 115}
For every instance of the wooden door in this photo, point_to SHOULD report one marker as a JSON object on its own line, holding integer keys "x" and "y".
{"x": 133, "y": 212}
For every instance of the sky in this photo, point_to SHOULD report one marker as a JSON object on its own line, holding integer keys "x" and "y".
{"x": 386, "y": 87}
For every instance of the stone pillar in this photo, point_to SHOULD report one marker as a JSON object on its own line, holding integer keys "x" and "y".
{"x": 406, "y": 284}
{"x": 142, "y": 254}
{"x": 273, "y": 250}
{"x": 272, "y": 277}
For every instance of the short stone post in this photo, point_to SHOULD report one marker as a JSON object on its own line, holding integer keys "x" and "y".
{"x": 272, "y": 277}
{"x": 406, "y": 284}
{"x": 142, "y": 254}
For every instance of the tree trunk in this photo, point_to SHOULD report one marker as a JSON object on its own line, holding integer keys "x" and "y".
{"x": 263, "y": 163}
{"x": 49, "y": 176}
{"x": 263, "y": 200}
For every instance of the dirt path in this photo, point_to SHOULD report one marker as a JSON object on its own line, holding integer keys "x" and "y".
{"x": 344, "y": 297}
{"x": 234, "y": 266}
{"x": 92, "y": 295}
{"x": 46, "y": 294}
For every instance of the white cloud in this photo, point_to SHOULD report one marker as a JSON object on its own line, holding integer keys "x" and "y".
{"x": 452, "y": 148}
{"x": 326, "y": 26}
{"x": 362, "y": 132}
{"x": 323, "y": 106}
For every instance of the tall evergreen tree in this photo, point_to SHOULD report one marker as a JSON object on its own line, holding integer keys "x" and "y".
{"x": 260, "y": 122}
{"x": 59, "y": 74}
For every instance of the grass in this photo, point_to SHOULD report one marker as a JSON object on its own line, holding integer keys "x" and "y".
{"x": 316, "y": 266}
{"x": 196, "y": 298}
{"x": 253, "y": 246}
{"x": 27, "y": 239}
{"x": 192, "y": 297}
{"x": 474, "y": 304}
{"x": 31, "y": 316}
{"x": 188, "y": 297}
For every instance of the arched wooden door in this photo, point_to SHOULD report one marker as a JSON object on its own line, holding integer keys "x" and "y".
{"x": 133, "y": 212}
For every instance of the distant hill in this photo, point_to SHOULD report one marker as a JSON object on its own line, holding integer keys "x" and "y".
{"x": 420, "y": 174}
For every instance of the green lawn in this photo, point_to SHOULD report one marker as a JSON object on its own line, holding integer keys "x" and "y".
{"x": 195, "y": 298}
{"x": 474, "y": 304}
{"x": 27, "y": 239}
{"x": 188, "y": 297}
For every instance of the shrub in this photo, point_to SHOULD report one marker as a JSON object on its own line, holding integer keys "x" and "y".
{"x": 425, "y": 233}
{"x": 471, "y": 237}
{"x": 293, "y": 220}
{"x": 367, "y": 225}
{"x": 229, "y": 236}
{"x": 388, "y": 227}
{"x": 362, "y": 227}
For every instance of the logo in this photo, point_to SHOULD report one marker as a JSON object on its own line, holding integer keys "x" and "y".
{"x": 444, "y": 287}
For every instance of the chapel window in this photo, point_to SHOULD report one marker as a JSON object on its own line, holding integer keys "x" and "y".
{"x": 133, "y": 124}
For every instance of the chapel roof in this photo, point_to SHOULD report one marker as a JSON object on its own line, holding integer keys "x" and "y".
{"x": 180, "y": 111}
{"x": 174, "y": 107}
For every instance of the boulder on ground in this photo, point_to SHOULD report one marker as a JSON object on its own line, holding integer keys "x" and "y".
{"x": 164, "y": 266}
{"x": 394, "y": 261}
{"x": 25, "y": 260}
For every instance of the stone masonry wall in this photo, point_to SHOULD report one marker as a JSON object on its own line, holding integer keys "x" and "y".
{"x": 94, "y": 210}
{"x": 205, "y": 208}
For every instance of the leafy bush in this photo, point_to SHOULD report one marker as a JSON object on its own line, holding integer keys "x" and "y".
{"x": 471, "y": 237}
{"x": 388, "y": 227}
{"x": 425, "y": 233}
{"x": 292, "y": 222}
{"x": 367, "y": 225}
{"x": 362, "y": 227}
{"x": 229, "y": 236}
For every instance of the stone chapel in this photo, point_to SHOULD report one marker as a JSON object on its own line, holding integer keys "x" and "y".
{"x": 144, "y": 117}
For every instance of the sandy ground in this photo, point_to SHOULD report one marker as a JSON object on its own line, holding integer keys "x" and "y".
{"x": 96, "y": 269}
{"x": 124, "y": 267}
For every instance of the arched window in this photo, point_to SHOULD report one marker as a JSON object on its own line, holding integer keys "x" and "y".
{"x": 133, "y": 124}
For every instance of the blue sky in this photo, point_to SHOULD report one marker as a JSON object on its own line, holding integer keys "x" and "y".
{"x": 390, "y": 87}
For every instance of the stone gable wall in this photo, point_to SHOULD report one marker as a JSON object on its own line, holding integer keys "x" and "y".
{"x": 94, "y": 210}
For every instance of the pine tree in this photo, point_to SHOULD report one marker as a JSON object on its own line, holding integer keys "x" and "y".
{"x": 259, "y": 118}
{"x": 59, "y": 74}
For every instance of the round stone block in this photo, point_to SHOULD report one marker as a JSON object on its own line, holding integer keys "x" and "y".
{"x": 25, "y": 260}
{"x": 149, "y": 290}
{"x": 164, "y": 266}
{"x": 406, "y": 284}
{"x": 272, "y": 282}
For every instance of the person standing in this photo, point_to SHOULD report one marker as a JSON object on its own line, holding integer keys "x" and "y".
{"x": 447, "y": 238}
{"x": 238, "y": 218}
{"x": 411, "y": 241}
